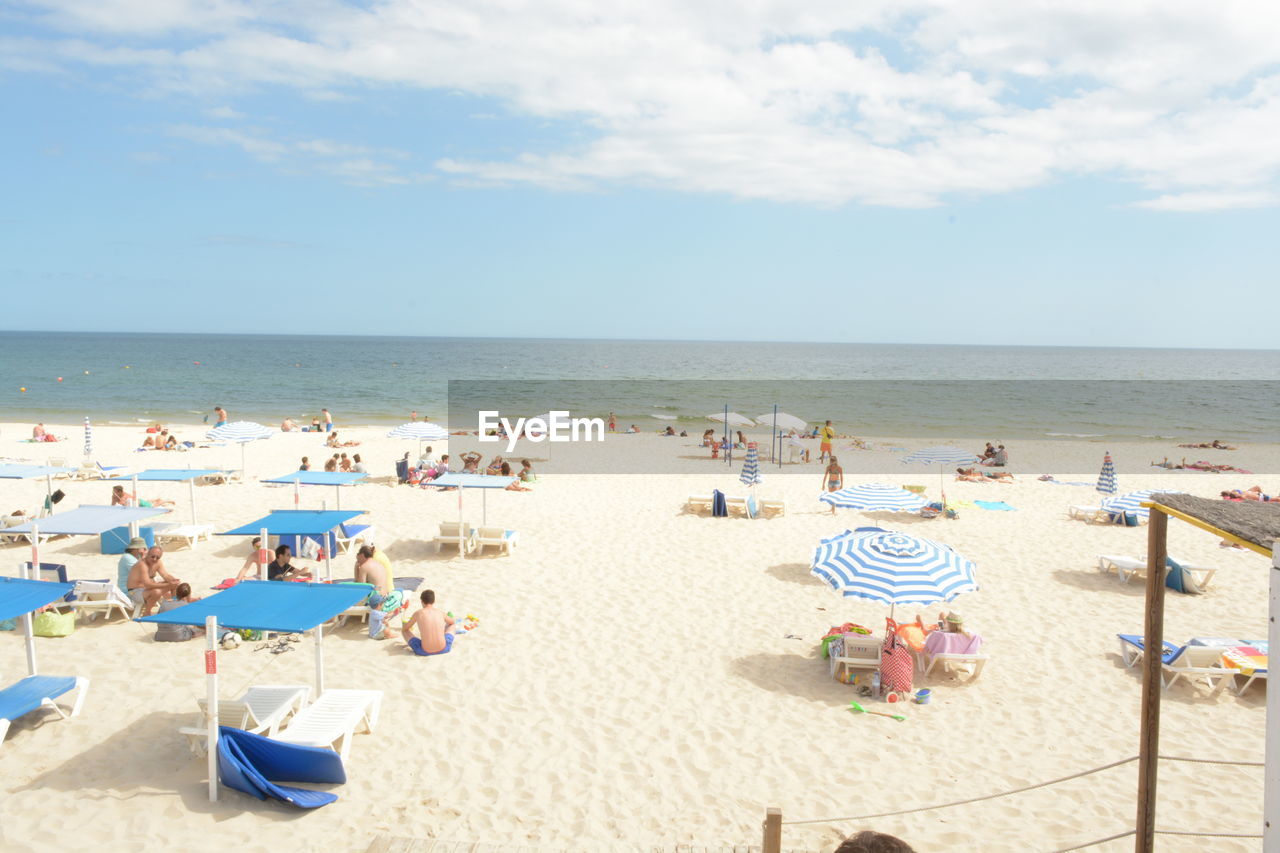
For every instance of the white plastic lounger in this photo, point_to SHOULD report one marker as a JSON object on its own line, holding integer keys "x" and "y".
{"x": 94, "y": 597}
{"x": 856, "y": 651}
{"x": 1090, "y": 514}
{"x": 39, "y": 691}
{"x": 334, "y": 718}
{"x": 698, "y": 502}
{"x": 502, "y": 539}
{"x": 348, "y": 534}
{"x": 261, "y": 710}
{"x": 1136, "y": 567}
{"x": 460, "y": 535}
{"x": 182, "y": 534}
{"x": 776, "y": 506}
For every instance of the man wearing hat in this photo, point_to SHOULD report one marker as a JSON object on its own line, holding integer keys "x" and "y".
{"x": 132, "y": 554}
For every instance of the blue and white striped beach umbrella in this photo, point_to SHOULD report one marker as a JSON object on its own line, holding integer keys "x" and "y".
{"x": 1130, "y": 502}
{"x": 88, "y": 439}
{"x": 1107, "y": 478}
{"x": 240, "y": 432}
{"x": 874, "y": 497}
{"x": 940, "y": 455}
{"x": 751, "y": 475}
{"x": 420, "y": 430}
{"x": 893, "y": 567}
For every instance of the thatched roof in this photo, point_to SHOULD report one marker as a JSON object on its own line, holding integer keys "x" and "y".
{"x": 1251, "y": 521}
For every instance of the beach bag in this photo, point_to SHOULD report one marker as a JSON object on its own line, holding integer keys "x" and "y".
{"x": 896, "y": 663}
{"x": 52, "y": 624}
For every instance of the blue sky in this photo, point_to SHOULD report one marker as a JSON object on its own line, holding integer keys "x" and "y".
{"x": 430, "y": 168}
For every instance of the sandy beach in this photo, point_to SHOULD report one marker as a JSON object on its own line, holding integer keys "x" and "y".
{"x": 643, "y": 676}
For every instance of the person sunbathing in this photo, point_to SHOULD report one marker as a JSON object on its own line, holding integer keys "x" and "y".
{"x": 149, "y": 582}
{"x": 514, "y": 485}
{"x": 371, "y": 571}
{"x": 149, "y": 443}
{"x": 1253, "y": 493}
{"x": 1165, "y": 463}
{"x": 344, "y": 464}
{"x": 495, "y": 466}
{"x": 287, "y": 425}
{"x": 526, "y": 472}
{"x": 471, "y": 462}
{"x": 119, "y": 497}
{"x": 333, "y": 441}
{"x": 1210, "y": 445}
{"x": 252, "y": 567}
{"x": 709, "y": 438}
{"x": 38, "y": 432}
{"x": 331, "y": 464}
{"x": 973, "y": 475}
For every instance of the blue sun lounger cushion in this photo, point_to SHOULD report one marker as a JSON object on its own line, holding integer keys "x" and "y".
{"x": 253, "y": 764}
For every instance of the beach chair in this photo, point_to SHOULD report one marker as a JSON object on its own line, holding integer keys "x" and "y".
{"x": 955, "y": 652}
{"x": 39, "y": 691}
{"x": 459, "y": 534}
{"x": 1091, "y": 514}
{"x": 1132, "y": 648}
{"x": 225, "y": 476}
{"x": 335, "y": 717}
{"x": 855, "y": 652}
{"x": 1132, "y": 567}
{"x": 697, "y": 503}
{"x": 182, "y": 534}
{"x": 255, "y": 765}
{"x": 1195, "y": 663}
{"x": 94, "y": 597}
{"x": 500, "y": 538}
{"x": 60, "y": 462}
{"x": 737, "y": 504}
{"x": 772, "y": 507}
{"x": 260, "y": 710}
{"x": 348, "y": 534}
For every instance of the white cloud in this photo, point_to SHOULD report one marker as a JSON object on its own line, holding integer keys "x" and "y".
{"x": 827, "y": 102}
{"x": 1201, "y": 202}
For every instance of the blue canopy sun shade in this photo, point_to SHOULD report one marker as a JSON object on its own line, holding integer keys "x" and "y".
{"x": 88, "y": 520}
{"x": 281, "y": 606}
{"x": 19, "y": 595}
{"x": 30, "y": 472}
{"x": 296, "y": 522}
{"x": 169, "y": 475}
{"x": 320, "y": 478}
{"x": 472, "y": 481}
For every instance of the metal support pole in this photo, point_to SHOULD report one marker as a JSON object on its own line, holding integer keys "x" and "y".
{"x": 1152, "y": 658}
{"x": 211, "y": 701}
{"x": 1271, "y": 784}
{"x": 319, "y": 661}
{"x": 28, "y": 630}
{"x": 264, "y": 553}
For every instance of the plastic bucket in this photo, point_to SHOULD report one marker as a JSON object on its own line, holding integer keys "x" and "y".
{"x": 923, "y": 695}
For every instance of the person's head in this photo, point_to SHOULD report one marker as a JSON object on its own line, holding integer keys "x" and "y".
{"x": 1000, "y": 447}
{"x": 136, "y": 546}
{"x": 365, "y": 553}
{"x": 834, "y": 460}
{"x": 506, "y": 469}
{"x": 282, "y": 553}
{"x": 873, "y": 842}
{"x": 427, "y": 452}
{"x": 444, "y": 458}
{"x": 256, "y": 543}
{"x": 218, "y": 408}
{"x": 356, "y": 458}
{"x": 304, "y": 460}
{"x": 525, "y": 463}
{"x": 117, "y": 490}
{"x": 428, "y": 597}
{"x": 828, "y": 423}
{"x": 183, "y": 591}
{"x": 344, "y": 456}
{"x": 154, "y": 553}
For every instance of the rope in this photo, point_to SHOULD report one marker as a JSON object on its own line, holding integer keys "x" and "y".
{"x": 1213, "y": 761}
{"x": 1095, "y": 843}
{"x": 970, "y": 800}
{"x": 1207, "y": 834}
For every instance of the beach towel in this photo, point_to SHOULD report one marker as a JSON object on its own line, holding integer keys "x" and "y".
{"x": 1180, "y": 580}
{"x": 1000, "y": 506}
{"x": 719, "y": 507}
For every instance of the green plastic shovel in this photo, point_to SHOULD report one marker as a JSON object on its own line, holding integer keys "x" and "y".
{"x": 858, "y": 709}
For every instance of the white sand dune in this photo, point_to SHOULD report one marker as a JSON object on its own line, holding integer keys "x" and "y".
{"x": 632, "y": 683}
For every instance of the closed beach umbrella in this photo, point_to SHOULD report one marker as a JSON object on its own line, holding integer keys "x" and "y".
{"x": 751, "y": 468}
{"x": 894, "y": 568}
{"x": 421, "y": 431}
{"x": 240, "y": 432}
{"x": 1107, "y": 478}
{"x": 1131, "y": 502}
{"x": 875, "y": 497}
{"x": 88, "y": 440}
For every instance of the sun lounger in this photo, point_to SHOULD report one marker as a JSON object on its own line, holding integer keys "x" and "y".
{"x": 458, "y": 534}
{"x": 855, "y": 651}
{"x": 38, "y": 691}
{"x": 260, "y": 710}
{"x": 182, "y": 534}
{"x": 695, "y": 503}
{"x": 228, "y": 476}
{"x": 253, "y": 764}
{"x": 1090, "y": 514}
{"x": 98, "y": 471}
{"x": 500, "y": 538}
{"x": 955, "y": 652}
{"x": 348, "y": 534}
{"x": 94, "y": 597}
{"x": 1192, "y": 662}
{"x": 776, "y": 506}
{"x": 334, "y": 718}
{"x": 1128, "y": 568}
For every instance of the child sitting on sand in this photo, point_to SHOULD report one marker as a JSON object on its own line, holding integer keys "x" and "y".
{"x": 433, "y": 627}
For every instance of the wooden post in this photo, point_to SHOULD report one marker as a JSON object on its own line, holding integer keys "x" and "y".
{"x": 772, "y": 831}
{"x": 1271, "y": 786}
{"x": 1152, "y": 655}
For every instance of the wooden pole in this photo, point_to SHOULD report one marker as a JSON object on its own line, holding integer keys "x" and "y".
{"x": 772, "y": 842}
{"x": 1271, "y": 785}
{"x": 1152, "y": 655}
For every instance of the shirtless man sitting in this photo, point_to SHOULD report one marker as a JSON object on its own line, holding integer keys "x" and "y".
{"x": 432, "y": 624}
{"x": 371, "y": 570}
{"x": 149, "y": 582}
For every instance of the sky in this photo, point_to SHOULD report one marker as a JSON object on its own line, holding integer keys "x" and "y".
{"x": 978, "y": 171}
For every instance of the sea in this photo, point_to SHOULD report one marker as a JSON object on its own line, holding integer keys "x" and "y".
{"x": 872, "y": 389}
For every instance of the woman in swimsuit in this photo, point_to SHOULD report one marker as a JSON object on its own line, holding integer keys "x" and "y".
{"x": 833, "y": 479}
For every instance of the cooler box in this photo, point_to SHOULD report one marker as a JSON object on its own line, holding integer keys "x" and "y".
{"x": 114, "y": 541}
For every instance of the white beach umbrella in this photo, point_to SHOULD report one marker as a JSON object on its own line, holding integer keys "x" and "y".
{"x": 240, "y": 432}
{"x": 875, "y": 497}
{"x": 420, "y": 431}
{"x": 732, "y": 419}
{"x": 784, "y": 421}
